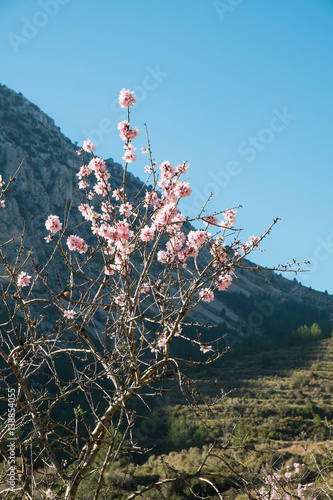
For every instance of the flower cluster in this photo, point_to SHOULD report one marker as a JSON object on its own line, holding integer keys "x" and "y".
{"x": 23, "y": 279}
{"x": 53, "y": 224}
{"x": 69, "y": 314}
{"x": 76, "y": 243}
{"x": 126, "y": 132}
{"x": 223, "y": 282}
{"x": 254, "y": 240}
{"x": 229, "y": 219}
{"x": 122, "y": 229}
{"x": 286, "y": 485}
{"x": 126, "y": 98}
{"x": 206, "y": 295}
{"x": 88, "y": 146}
{"x": 129, "y": 155}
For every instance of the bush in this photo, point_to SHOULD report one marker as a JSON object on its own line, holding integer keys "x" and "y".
{"x": 299, "y": 380}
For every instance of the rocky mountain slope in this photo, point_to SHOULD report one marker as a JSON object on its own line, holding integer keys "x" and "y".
{"x": 47, "y": 182}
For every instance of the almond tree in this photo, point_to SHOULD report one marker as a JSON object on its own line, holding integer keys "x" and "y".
{"x": 98, "y": 323}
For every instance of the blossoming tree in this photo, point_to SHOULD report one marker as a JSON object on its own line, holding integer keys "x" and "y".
{"x": 98, "y": 323}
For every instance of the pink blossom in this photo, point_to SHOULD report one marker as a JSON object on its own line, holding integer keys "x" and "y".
{"x": 165, "y": 215}
{"x": 126, "y": 209}
{"x": 23, "y": 279}
{"x": 53, "y": 224}
{"x": 102, "y": 176}
{"x": 188, "y": 252}
{"x": 210, "y": 220}
{"x": 69, "y": 314}
{"x": 102, "y": 188}
{"x": 94, "y": 228}
{"x": 178, "y": 331}
{"x": 206, "y": 295}
{"x": 49, "y": 493}
{"x": 218, "y": 251}
{"x": 205, "y": 348}
{"x": 144, "y": 150}
{"x": 109, "y": 232}
{"x": 87, "y": 211}
{"x": 198, "y": 238}
{"x": 151, "y": 199}
{"x": 2, "y": 203}
{"x": 118, "y": 194}
{"x": 254, "y": 240}
{"x": 126, "y": 98}
{"x": 165, "y": 181}
{"x": 182, "y": 169}
{"x": 230, "y": 219}
{"x": 176, "y": 241}
{"x": 147, "y": 233}
{"x": 183, "y": 189}
{"x": 108, "y": 271}
{"x": 106, "y": 231}
{"x": 167, "y": 168}
{"x": 120, "y": 300}
{"x": 124, "y": 248}
{"x": 2, "y": 182}
{"x": 144, "y": 287}
{"x": 76, "y": 243}
{"x": 182, "y": 257}
{"x": 129, "y": 155}
{"x": 224, "y": 282}
{"x": 97, "y": 164}
{"x": 84, "y": 171}
{"x": 48, "y": 238}
{"x": 88, "y": 146}
{"x": 165, "y": 257}
{"x": 126, "y": 132}
{"x": 162, "y": 340}
{"x": 169, "y": 192}
{"x": 83, "y": 184}
{"x": 106, "y": 207}
{"x": 177, "y": 222}
{"x": 123, "y": 230}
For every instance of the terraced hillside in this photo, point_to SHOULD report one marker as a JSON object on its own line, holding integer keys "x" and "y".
{"x": 276, "y": 410}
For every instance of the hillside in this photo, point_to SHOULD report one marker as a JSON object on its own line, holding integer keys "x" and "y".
{"x": 276, "y": 410}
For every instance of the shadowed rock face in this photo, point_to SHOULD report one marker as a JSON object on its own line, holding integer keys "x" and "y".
{"x": 47, "y": 182}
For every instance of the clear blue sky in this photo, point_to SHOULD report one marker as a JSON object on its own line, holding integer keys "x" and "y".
{"x": 242, "y": 89}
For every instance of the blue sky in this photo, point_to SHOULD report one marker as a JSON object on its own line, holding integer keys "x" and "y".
{"x": 242, "y": 89}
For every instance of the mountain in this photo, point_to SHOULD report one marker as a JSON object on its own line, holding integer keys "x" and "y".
{"x": 254, "y": 306}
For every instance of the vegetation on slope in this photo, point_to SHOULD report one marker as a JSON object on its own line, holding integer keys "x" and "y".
{"x": 276, "y": 410}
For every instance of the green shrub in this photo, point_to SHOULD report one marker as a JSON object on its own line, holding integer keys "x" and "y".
{"x": 182, "y": 435}
{"x": 299, "y": 380}
{"x": 317, "y": 421}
